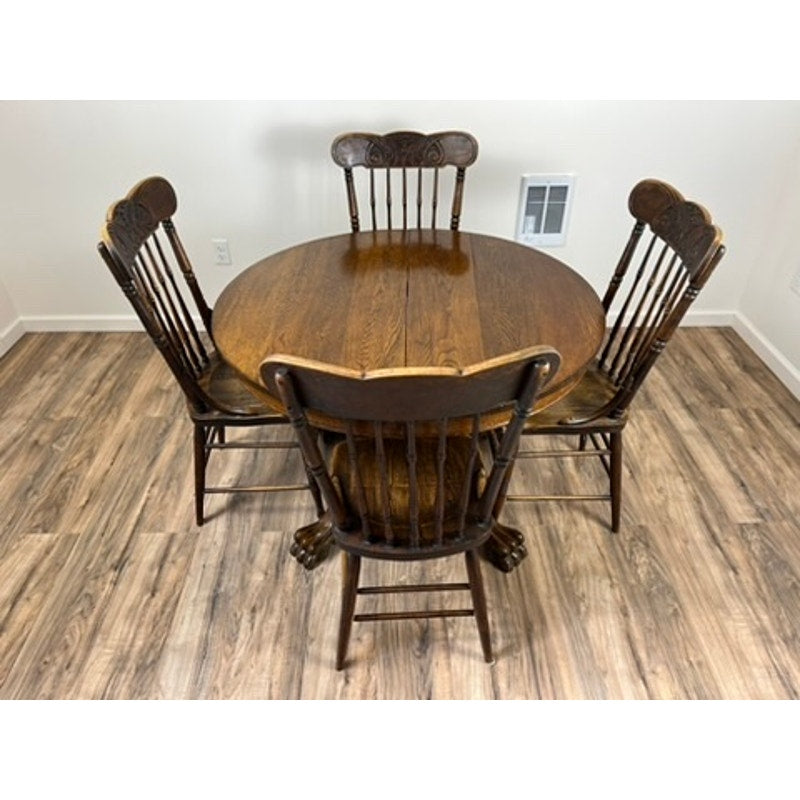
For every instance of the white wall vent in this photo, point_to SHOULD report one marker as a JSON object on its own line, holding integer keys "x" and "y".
{"x": 544, "y": 203}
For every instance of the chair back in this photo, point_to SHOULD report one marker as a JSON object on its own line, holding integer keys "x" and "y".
{"x": 400, "y": 484}
{"x": 670, "y": 254}
{"x": 144, "y": 253}
{"x": 416, "y": 159}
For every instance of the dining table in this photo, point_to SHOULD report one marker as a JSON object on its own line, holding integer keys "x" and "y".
{"x": 407, "y": 298}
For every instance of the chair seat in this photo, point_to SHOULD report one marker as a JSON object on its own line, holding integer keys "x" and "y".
{"x": 230, "y": 394}
{"x": 593, "y": 391}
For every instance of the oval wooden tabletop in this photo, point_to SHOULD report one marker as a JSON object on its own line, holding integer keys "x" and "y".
{"x": 385, "y": 299}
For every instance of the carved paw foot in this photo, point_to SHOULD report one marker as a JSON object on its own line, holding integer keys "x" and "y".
{"x": 312, "y": 543}
{"x": 505, "y": 548}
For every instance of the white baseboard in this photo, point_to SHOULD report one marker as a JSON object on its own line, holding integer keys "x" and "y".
{"x": 709, "y": 319}
{"x": 786, "y": 372}
{"x": 130, "y": 322}
{"x": 82, "y": 323}
{"x": 11, "y": 335}
{"x": 764, "y": 349}
{"x": 699, "y": 319}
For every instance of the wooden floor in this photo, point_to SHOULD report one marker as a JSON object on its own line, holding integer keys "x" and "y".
{"x": 108, "y": 589}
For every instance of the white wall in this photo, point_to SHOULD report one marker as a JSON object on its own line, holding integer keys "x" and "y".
{"x": 260, "y": 175}
{"x": 771, "y": 310}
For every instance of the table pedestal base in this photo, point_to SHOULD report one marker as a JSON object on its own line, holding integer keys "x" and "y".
{"x": 504, "y": 549}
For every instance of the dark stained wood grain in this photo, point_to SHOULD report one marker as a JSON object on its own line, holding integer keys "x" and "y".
{"x": 410, "y": 299}
{"x": 527, "y": 296}
{"x": 289, "y": 303}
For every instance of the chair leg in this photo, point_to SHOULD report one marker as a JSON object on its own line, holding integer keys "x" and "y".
{"x": 199, "y": 471}
{"x": 479, "y": 603}
{"x": 616, "y": 479}
{"x": 351, "y": 565}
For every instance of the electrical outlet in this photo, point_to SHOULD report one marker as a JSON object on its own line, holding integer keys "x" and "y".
{"x": 222, "y": 254}
{"x": 795, "y": 284}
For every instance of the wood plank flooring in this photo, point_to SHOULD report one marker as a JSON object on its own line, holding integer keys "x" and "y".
{"x": 109, "y": 590}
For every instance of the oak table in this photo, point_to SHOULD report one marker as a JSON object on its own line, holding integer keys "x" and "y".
{"x": 384, "y": 299}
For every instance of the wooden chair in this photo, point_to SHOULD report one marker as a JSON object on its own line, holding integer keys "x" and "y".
{"x": 418, "y": 158}
{"x": 141, "y": 247}
{"x": 670, "y": 254}
{"x": 399, "y": 484}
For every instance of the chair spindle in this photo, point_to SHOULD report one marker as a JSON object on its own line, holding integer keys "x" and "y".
{"x": 413, "y": 484}
{"x": 380, "y": 454}
{"x": 441, "y": 459}
{"x": 434, "y": 198}
{"x": 355, "y": 471}
{"x": 419, "y": 198}
{"x": 466, "y": 490}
